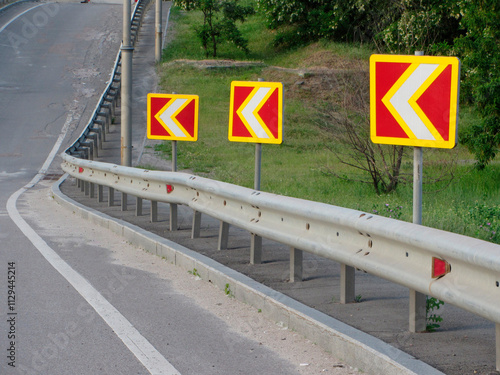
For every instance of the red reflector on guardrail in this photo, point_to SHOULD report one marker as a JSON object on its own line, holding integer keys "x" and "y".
{"x": 440, "y": 267}
{"x": 80, "y": 170}
{"x": 170, "y": 189}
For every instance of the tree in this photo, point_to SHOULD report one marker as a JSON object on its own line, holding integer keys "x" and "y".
{"x": 421, "y": 25}
{"x": 217, "y": 27}
{"x": 479, "y": 49}
{"x": 303, "y": 21}
{"x": 348, "y": 123}
{"x": 469, "y": 29}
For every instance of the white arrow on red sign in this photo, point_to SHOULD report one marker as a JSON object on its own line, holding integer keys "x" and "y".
{"x": 414, "y": 100}
{"x": 256, "y": 112}
{"x": 173, "y": 117}
{"x": 401, "y": 100}
{"x": 250, "y": 112}
{"x": 167, "y": 117}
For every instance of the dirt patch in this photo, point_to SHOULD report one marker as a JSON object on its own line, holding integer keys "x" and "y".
{"x": 321, "y": 78}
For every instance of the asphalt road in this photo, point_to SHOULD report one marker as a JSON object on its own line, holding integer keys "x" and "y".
{"x": 69, "y": 302}
{"x": 464, "y": 344}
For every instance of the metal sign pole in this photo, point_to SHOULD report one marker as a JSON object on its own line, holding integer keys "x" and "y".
{"x": 256, "y": 241}
{"x": 417, "y": 300}
{"x": 173, "y": 206}
{"x": 174, "y": 156}
{"x": 258, "y": 166}
{"x": 418, "y": 157}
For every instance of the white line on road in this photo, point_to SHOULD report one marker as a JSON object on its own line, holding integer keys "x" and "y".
{"x": 19, "y": 15}
{"x": 142, "y": 349}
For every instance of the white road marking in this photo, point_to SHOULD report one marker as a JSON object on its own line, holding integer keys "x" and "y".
{"x": 142, "y": 349}
{"x": 19, "y": 15}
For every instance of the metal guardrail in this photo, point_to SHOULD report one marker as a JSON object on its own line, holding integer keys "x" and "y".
{"x": 394, "y": 250}
{"x": 397, "y": 251}
{"x": 89, "y": 142}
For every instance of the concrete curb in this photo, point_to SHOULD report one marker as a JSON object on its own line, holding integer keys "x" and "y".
{"x": 350, "y": 345}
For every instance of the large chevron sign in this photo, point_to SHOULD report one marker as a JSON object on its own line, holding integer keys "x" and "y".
{"x": 172, "y": 117}
{"x": 414, "y": 100}
{"x": 256, "y": 112}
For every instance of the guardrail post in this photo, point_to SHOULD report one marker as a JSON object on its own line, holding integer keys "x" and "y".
{"x": 295, "y": 265}
{"x": 124, "y": 201}
{"x": 173, "y": 217}
{"x": 138, "y": 206}
{"x": 100, "y": 193}
{"x": 195, "y": 232}
{"x": 417, "y": 311}
{"x": 347, "y": 284}
{"x": 223, "y": 236}
{"x": 111, "y": 197}
{"x": 497, "y": 334}
{"x": 92, "y": 189}
{"x": 256, "y": 249}
{"x": 154, "y": 212}
{"x": 86, "y": 187}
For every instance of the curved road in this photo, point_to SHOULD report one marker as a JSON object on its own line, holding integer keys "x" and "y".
{"x": 67, "y": 306}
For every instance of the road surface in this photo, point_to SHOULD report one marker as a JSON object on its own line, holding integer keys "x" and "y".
{"x": 76, "y": 300}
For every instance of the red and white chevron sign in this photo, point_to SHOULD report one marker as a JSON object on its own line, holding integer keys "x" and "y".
{"x": 172, "y": 117}
{"x": 414, "y": 100}
{"x": 256, "y": 112}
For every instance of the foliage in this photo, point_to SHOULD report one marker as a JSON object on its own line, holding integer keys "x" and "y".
{"x": 469, "y": 29}
{"x": 388, "y": 211}
{"x": 480, "y": 52}
{"x": 433, "y": 319}
{"x": 348, "y": 123}
{"x": 303, "y": 21}
{"x": 401, "y": 25}
{"x": 422, "y": 25}
{"x": 217, "y": 28}
{"x": 485, "y": 220}
{"x": 228, "y": 291}
{"x": 297, "y": 167}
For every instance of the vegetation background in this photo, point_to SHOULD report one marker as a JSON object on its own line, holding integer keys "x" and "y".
{"x": 320, "y": 50}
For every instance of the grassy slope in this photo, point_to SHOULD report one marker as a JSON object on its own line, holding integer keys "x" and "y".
{"x": 300, "y": 166}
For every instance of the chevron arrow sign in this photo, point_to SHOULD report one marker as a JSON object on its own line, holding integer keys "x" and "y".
{"x": 414, "y": 100}
{"x": 172, "y": 117}
{"x": 256, "y": 112}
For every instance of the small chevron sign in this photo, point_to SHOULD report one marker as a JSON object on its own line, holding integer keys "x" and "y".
{"x": 172, "y": 117}
{"x": 414, "y": 100}
{"x": 256, "y": 112}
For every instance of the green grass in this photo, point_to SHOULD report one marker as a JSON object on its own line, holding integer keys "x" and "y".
{"x": 301, "y": 166}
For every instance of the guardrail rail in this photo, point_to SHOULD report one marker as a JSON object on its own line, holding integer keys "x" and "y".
{"x": 397, "y": 251}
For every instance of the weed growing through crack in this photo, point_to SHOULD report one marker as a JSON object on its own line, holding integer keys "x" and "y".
{"x": 227, "y": 290}
{"x": 432, "y": 319}
{"x": 194, "y": 272}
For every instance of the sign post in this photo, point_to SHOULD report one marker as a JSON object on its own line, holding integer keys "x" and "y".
{"x": 414, "y": 102}
{"x": 418, "y": 301}
{"x": 256, "y": 116}
{"x": 173, "y": 117}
